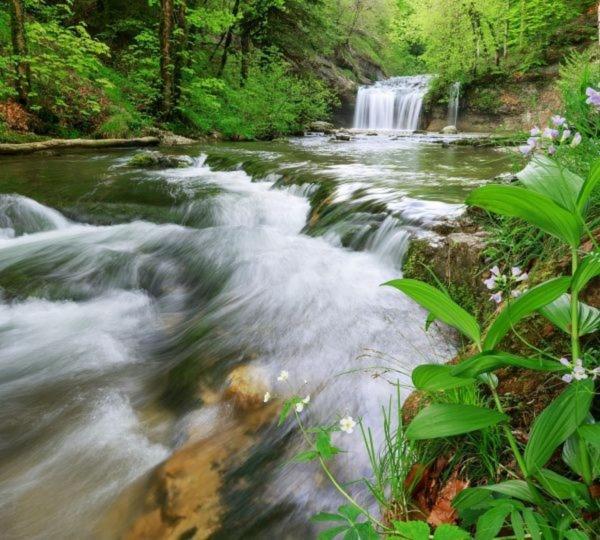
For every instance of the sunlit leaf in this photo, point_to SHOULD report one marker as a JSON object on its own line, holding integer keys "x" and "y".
{"x": 440, "y": 305}
{"x": 491, "y": 360}
{"x": 536, "y": 209}
{"x": 445, "y": 420}
{"x": 560, "y": 487}
{"x": 547, "y": 177}
{"x": 556, "y": 422}
{"x": 490, "y": 523}
{"x": 524, "y": 305}
{"x": 433, "y": 378}
{"x": 590, "y": 433}
{"x": 412, "y": 530}
{"x": 450, "y": 532}
{"x": 590, "y": 184}
{"x": 517, "y": 524}
{"x": 587, "y": 270}
{"x": 559, "y": 313}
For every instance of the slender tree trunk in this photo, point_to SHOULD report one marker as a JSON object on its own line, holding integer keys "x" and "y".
{"x": 19, "y": 41}
{"x": 598, "y": 23}
{"x": 166, "y": 58}
{"x": 506, "y": 30}
{"x": 181, "y": 42}
{"x": 228, "y": 40}
{"x": 245, "y": 43}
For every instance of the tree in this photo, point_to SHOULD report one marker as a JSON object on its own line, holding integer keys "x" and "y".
{"x": 166, "y": 58}
{"x": 19, "y": 41}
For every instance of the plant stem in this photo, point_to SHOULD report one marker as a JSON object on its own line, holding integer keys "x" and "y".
{"x": 334, "y": 481}
{"x": 586, "y": 469}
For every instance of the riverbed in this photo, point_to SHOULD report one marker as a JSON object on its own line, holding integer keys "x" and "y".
{"x": 128, "y": 295}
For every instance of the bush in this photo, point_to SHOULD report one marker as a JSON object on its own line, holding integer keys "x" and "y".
{"x": 272, "y": 102}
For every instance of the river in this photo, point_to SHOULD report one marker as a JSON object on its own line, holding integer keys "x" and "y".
{"x": 128, "y": 295}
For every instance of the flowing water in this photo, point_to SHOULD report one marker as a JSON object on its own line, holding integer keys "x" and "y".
{"x": 394, "y": 103}
{"x": 453, "y": 104}
{"x": 271, "y": 254}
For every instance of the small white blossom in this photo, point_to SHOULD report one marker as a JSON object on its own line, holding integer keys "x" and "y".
{"x": 267, "y": 397}
{"x": 579, "y": 372}
{"x": 565, "y": 362}
{"x": 300, "y": 404}
{"x": 595, "y": 373}
{"x": 490, "y": 283}
{"x": 576, "y": 140}
{"x": 535, "y": 132}
{"x": 566, "y": 134}
{"x": 567, "y": 378}
{"x": 496, "y": 297}
{"x": 495, "y": 270}
{"x": 347, "y": 424}
{"x": 283, "y": 376}
{"x": 516, "y": 271}
{"x": 559, "y": 121}
{"x": 516, "y": 293}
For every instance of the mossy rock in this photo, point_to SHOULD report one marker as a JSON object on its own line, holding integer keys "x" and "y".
{"x": 152, "y": 159}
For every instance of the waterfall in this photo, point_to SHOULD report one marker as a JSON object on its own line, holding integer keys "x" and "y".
{"x": 395, "y": 103}
{"x": 453, "y": 103}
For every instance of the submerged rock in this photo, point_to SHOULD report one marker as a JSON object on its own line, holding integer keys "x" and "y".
{"x": 449, "y": 130}
{"x": 342, "y": 136}
{"x": 153, "y": 159}
{"x": 246, "y": 387}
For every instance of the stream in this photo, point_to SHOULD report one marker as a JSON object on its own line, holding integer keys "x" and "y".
{"x": 128, "y": 295}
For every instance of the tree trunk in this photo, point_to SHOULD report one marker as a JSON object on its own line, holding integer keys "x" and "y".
{"x": 506, "y": 30}
{"x": 245, "y": 43}
{"x": 598, "y": 23}
{"x": 228, "y": 40}
{"x": 166, "y": 58}
{"x": 19, "y": 41}
{"x": 181, "y": 52}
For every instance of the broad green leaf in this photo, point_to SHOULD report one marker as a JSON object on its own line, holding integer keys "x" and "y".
{"x": 446, "y": 420}
{"x": 536, "y": 209}
{"x": 327, "y": 516}
{"x": 590, "y": 184}
{"x": 412, "y": 530}
{"x": 590, "y": 433}
{"x": 574, "y": 534}
{"x": 433, "y": 378}
{"x": 559, "y": 314}
{"x": 546, "y": 177}
{"x": 527, "y": 303}
{"x": 439, "y": 305}
{"x": 572, "y": 450}
{"x": 365, "y": 531}
{"x": 587, "y": 270}
{"x": 330, "y": 534}
{"x": 532, "y": 525}
{"x": 309, "y": 455}
{"x": 559, "y": 486}
{"x": 450, "y": 532}
{"x": 471, "y": 498}
{"x": 512, "y": 488}
{"x": 490, "y": 523}
{"x": 556, "y": 422}
{"x": 349, "y": 511}
{"x": 491, "y": 360}
{"x": 517, "y": 524}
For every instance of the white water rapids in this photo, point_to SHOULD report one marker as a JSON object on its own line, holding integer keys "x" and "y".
{"x": 83, "y": 353}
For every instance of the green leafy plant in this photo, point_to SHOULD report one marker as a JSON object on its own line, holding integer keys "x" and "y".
{"x": 554, "y": 200}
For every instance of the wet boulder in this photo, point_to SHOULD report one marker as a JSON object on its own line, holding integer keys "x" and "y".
{"x": 450, "y": 130}
{"x": 246, "y": 387}
{"x": 322, "y": 127}
{"x": 152, "y": 159}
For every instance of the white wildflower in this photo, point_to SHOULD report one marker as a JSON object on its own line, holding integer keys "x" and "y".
{"x": 576, "y": 140}
{"x": 300, "y": 404}
{"x": 267, "y": 397}
{"x": 579, "y": 372}
{"x": 565, "y": 362}
{"x": 497, "y": 297}
{"x": 490, "y": 283}
{"x": 283, "y": 376}
{"x": 347, "y": 424}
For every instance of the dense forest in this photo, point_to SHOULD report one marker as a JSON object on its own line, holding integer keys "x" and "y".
{"x": 254, "y": 68}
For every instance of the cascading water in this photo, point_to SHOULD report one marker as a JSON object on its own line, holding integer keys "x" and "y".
{"x": 395, "y": 103}
{"x": 453, "y": 104}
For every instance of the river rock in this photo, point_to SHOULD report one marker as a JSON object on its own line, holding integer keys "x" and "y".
{"x": 449, "y": 130}
{"x": 151, "y": 159}
{"x": 322, "y": 127}
{"x": 246, "y": 387}
{"x": 168, "y": 138}
{"x": 342, "y": 136}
